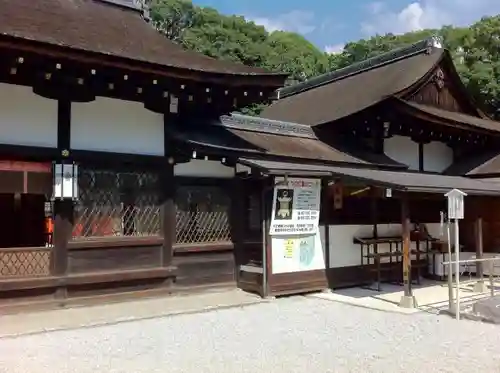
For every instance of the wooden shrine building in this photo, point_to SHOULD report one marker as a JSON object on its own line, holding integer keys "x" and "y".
{"x": 409, "y": 117}
{"x": 123, "y": 168}
{"x": 91, "y": 85}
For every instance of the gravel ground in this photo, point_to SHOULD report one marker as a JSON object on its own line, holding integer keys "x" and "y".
{"x": 287, "y": 335}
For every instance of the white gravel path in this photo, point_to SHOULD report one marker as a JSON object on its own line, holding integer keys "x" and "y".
{"x": 288, "y": 335}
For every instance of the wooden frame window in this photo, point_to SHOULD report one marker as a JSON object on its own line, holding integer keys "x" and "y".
{"x": 116, "y": 204}
{"x": 202, "y": 215}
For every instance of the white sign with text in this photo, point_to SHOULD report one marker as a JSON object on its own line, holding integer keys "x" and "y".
{"x": 296, "y": 206}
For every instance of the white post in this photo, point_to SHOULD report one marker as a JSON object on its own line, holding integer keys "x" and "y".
{"x": 449, "y": 268}
{"x": 457, "y": 270}
{"x": 456, "y": 212}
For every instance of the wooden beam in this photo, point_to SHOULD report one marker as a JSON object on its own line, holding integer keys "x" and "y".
{"x": 96, "y": 60}
{"x": 56, "y": 78}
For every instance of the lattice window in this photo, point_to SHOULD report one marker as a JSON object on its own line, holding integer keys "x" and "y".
{"x": 117, "y": 204}
{"x": 202, "y": 215}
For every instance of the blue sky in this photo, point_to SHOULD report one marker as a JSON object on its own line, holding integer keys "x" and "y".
{"x": 331, "y": 23}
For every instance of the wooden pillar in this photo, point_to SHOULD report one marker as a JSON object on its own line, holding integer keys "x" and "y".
{"x": 378, "y": 138}
{"x": 480, "y": 286}
{"x": 479, "y": 246}
{"x": 62, "y": 209}
{"x": 238, "y": 220}
{"x": 167, "y": 191}
{"x": 63, "y": 227}
{"x": 168, "y": 211}
{"x": 421, "y": 156}
{"x": 325, "y": 210}
{"x": 267, "y": 265}
{"x": 374, "y": 214}
{"x": 405, "y": 224}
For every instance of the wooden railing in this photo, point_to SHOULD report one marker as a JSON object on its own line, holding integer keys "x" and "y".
{"x": 24, "y": 262}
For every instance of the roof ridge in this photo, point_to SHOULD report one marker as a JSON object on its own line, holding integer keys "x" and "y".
{"x": 264, "y": 125}
{"x": 127, "y": 4}
{"x": 426, "y": 45}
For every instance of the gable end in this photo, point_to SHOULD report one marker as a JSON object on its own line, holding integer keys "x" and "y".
{"x": 444, "y": 89}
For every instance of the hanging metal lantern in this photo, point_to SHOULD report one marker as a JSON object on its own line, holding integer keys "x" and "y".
{"x": 65, "y": 181}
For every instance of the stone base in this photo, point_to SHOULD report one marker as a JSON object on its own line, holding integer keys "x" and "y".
{"x": 408, "y": 302}
{"x": 480, "y": 287}
{"x": 488, "y": 309}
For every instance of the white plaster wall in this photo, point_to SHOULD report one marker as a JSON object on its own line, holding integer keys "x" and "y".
{"x": 437, "y": 156}
{"x": 402, "y": 149}
{"x": 343, "y": 252}
{"x": 26, "y": 118}
{"x": 111, "y": 125}
{"x": 202, "y": 168}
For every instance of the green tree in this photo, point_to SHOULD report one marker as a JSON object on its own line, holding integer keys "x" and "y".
{"x": 475, "y": 49}
{"x": 205, "y": 30}
{"x": 478, "y": 61}
{"x": 227, "y": 37}
{"x": 292, "y": 53}
{"x": 172, "y": 17}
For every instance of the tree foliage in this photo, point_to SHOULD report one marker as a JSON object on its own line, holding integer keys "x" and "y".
{"x": 475, "y": 49}
{"x": 172, "y": 17}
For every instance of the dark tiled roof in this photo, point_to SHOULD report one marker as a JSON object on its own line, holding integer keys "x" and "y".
{"x": 256, "y": 130}
{"x": 358, "y": 67}
{"x": 250, "y": 141}
{"x": 350, "y": 90}
{"x": 454, "y": 117}
{"x": 96, "y": 26}
{"x": 413, "y": 182}
{"x": 473, "y": 165}
{"x": 296, "y": 147}
{"x": 359, "y": 150}
{"x": 259, "y": 136}
{"x": 491, "y": 166}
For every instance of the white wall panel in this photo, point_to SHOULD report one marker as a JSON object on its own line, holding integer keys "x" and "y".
{"x": 111, "y": 125}
{"x": 437, "y": 156}
{"x": 403, "y": 150}
{"x": 26, "y": 118}
{"x": 344, "y": 252}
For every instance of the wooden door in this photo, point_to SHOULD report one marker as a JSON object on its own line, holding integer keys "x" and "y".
{"x": 10, "y": 232}
{"x": 248, "y": 238}
{"x": 31, "y": 215}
